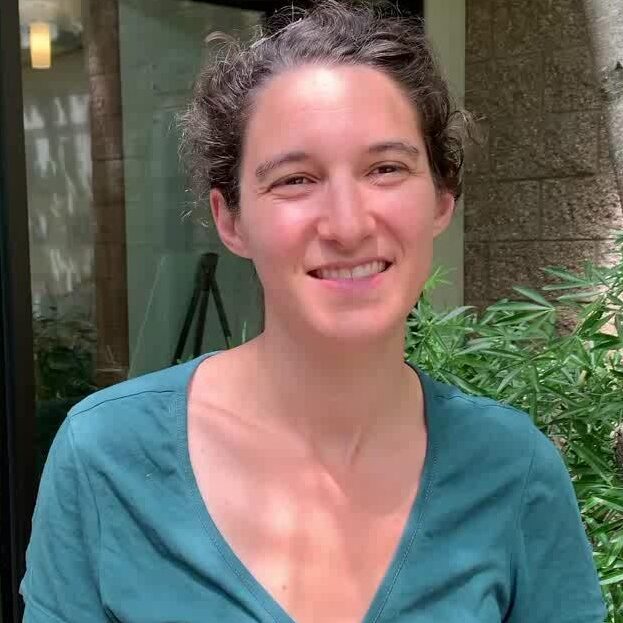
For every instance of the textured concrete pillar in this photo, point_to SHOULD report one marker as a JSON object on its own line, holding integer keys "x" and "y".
{"x": 605, "y": 27}
{"x": 541, "y": 189}
{"x": 111, "y": 297}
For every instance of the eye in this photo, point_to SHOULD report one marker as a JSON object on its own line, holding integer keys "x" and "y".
{"x": 295, "y": 180}
{"x": 390, "y": 168}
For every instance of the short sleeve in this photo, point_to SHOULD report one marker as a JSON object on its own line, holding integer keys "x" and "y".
{"x": 61, "y": 581}
{"x": 554, "y": 575}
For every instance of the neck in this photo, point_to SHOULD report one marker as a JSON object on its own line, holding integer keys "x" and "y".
{"x": 334, "y": 397}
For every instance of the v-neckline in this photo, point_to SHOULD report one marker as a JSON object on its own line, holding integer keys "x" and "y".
{"x": 263, "y": 597}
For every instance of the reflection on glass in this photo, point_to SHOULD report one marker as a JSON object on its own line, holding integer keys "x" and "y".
{"x": 160, "y": 44}
{"x": 56, "y": 128}
{"x": 49, "y": 28}
{"x": 113, "y": 260}
{"x": 40, "y": 42}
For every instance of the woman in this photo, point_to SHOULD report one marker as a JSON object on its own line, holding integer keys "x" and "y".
{"x": 310, "y": 475}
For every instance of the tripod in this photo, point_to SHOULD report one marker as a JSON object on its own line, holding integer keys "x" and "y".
{"x": 205, "y": 281}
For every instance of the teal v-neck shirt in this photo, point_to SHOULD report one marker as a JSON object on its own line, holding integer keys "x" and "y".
{"x": 121, "y": 532}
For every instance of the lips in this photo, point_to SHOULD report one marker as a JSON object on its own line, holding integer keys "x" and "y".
{"x": 359, "y": 270}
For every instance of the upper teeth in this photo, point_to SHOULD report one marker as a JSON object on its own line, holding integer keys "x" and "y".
{"x": 364, "y": 270}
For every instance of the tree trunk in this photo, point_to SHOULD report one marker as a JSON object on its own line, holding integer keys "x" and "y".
{"x": 605, "y": 25}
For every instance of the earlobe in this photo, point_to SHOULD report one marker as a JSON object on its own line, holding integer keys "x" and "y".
{"x": 227, "y": 224}
{"x": 445, "y": 211}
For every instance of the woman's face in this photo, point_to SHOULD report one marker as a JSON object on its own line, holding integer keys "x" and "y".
{"x": 335, "y": 176}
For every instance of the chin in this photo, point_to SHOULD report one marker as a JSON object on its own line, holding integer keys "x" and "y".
{"x": 360, "y": 327}
{"x": 308, "y": 319}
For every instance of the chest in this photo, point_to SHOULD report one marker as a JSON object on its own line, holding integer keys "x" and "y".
{"x": 311, "y": 546}
{"x": 320, "y": 547}
{"x": 317, "y": 563}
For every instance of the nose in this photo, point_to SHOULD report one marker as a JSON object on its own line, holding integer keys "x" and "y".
{"x": 346, "y": 220}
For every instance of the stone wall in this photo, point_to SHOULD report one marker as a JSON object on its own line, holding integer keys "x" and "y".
{"x": 540, "y": 190}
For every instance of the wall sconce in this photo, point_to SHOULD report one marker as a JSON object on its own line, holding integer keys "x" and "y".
{"x": 40, "y": 45}
{"x": 49, "y": 28}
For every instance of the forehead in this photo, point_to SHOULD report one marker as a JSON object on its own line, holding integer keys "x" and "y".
{"x": 316, "y": 103}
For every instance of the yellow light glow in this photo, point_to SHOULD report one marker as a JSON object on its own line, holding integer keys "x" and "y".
{"x": 40, "y": 45}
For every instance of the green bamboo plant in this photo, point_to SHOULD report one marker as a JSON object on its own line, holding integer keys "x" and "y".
{"x": 557, "y": 354}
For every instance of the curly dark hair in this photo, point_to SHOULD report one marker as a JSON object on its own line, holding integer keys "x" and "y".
{"x": 332, "y": 32}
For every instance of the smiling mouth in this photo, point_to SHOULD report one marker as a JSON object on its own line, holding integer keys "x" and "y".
{"x": 358, "y": 272}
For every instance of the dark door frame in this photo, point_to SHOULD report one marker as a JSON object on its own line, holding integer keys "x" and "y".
{"x": 17, "y": 386}
{"x": 407, "y": 7}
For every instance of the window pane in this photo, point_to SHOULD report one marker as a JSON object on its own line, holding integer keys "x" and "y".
{"x": 113, "y": 258}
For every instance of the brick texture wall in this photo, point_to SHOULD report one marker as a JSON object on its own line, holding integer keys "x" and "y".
{"x": 540, "y": 190}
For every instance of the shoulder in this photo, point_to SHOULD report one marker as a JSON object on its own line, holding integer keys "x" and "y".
{"x": 498, "y": 433}
{"x": 115, "y": 401}
{"x": 458, "y": 409}
{"x": 130, "y": 411}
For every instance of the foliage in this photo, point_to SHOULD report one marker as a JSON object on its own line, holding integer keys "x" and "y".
{"x": 556, "y": 354}
{"x": 63, "y": 349}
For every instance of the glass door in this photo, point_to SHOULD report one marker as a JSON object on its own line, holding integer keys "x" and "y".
{"x": 99, "y": 259}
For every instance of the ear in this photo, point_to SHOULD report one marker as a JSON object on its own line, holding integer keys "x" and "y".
{"x": 227, "y": 224}
{"x": 444, "y": 213}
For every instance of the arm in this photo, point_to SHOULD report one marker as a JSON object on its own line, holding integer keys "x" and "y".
{"x": 554, "y": 576}
{"x": 61, "y": 584}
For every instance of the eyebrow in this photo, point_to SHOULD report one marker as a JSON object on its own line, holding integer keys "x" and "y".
{"x": 299, "y": 156}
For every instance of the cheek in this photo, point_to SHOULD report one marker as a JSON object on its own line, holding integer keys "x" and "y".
{"x": 413, "y": 216}
{"x": 275, "y": 236}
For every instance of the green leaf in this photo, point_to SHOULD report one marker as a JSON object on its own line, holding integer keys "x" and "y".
{"x": 605, "y": 341}
{"x": 454, "y": 313}
{"x": 612, "y": 578}
{"x": 533, "y": 295}
{"x": 593, "y": 460}
{"x": 611, "y": 504}
{"x": 564, "y": 275}
{"x": 474, "y": 346}
{"x": 582, "y": 296}
{"x": 463, "y": 384}
{"x": 519, "y": 306}
{"x": 508, "y": 378}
